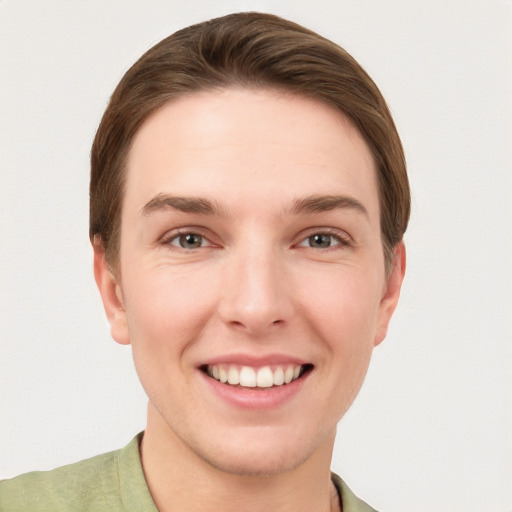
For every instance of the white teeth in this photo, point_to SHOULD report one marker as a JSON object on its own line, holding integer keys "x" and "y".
{"x": 233, "y": 376}
{"x": 279, "y": 376}
{"x": 246, "y": 376}
{"x": 265, "y": 379}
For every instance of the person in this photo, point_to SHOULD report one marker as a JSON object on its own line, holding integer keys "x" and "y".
{"x": 248, "y": 201}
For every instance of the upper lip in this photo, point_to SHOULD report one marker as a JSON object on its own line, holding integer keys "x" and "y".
{"x": 255, "y": 361}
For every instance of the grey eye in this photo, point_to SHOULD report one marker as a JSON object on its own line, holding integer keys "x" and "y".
{"x": 189, "y": 241}
{"x": 322, "y": 241}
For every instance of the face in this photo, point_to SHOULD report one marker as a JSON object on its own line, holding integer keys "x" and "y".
{"x": 252, "y": 284}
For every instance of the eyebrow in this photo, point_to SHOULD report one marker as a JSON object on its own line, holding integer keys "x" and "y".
{"x": 197, "y": 205}
{"x": 319, "y": 204}
{"x": 203, "y": 206}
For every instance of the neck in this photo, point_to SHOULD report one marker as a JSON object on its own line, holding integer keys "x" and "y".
{"x": 180, "y": 480}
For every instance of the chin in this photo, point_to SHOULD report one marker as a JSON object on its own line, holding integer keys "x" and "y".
{"x": 247, "y": 463}
{"x": 264, "y": 453}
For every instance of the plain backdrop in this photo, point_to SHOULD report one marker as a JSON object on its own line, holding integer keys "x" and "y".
{"x": 432, "y": 428}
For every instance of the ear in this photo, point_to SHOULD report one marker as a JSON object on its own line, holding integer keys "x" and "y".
{"x": 391, "y": 292}
{"x": 112, "y": 297}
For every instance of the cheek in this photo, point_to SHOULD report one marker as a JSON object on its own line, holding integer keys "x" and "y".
{"x": 167, "y": 308}
{"x": 343, "y": 306}
{"x": 166, "y": 313}
{"x": 346, "y": 296}
{"x": 340, "y": 312}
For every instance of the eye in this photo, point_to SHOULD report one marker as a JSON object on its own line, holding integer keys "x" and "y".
{"x": 322, "y": 241}
{"x": 188, "y": 241}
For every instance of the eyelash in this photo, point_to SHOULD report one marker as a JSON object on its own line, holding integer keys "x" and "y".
{"x": 167, "y": 240}
{"x": 341, "y": 240}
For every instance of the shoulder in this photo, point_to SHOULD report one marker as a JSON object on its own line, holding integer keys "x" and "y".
{"x": 86, "y": 485}
{"x": 350, "y": 502}
{"x": 92, "y": 484}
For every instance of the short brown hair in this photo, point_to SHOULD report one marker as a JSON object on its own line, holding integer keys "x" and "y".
{"x": 244, "y": 50}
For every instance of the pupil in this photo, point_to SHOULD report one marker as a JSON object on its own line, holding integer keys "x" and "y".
{"x": 320, "y": 240}
{"x": 190, "y": 240}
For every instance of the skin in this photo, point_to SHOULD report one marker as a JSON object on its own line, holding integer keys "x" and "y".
{"x": 257, "y": 285}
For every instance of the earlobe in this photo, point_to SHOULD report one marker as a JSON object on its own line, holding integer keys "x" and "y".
{"x": 391, "y": 294}
{"x": 111, "y": 295}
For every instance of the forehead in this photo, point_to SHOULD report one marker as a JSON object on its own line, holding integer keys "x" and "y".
{"x": 247, "y": 143}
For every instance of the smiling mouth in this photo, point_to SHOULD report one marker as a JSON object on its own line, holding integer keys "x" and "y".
{"x": 249, "y": 377}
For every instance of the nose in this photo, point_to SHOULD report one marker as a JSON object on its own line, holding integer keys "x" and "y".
{"x": 256, "y": 296}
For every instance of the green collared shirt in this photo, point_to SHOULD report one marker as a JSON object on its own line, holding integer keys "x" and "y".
{"x": 112, "y": 482}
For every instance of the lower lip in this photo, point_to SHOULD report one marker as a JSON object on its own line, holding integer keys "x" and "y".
{"x": 255, "y": 398}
